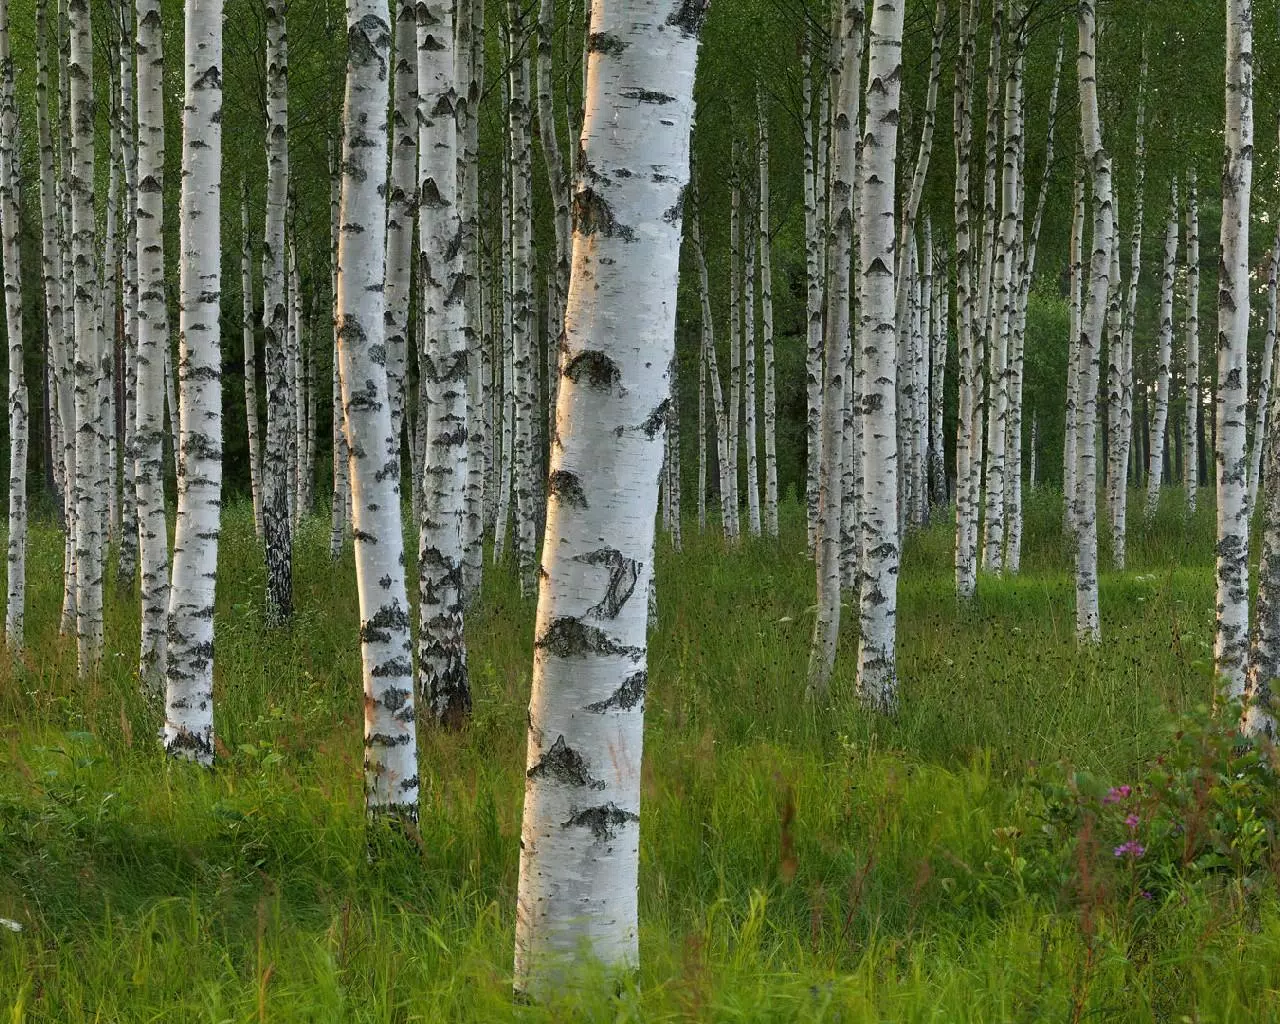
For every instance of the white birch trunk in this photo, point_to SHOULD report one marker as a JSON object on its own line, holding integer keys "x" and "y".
{"x": 1264, "y": 380}
{"x": 402, "y": 202}
{"x": 1191, "y": 445}
{"x": 1231, "y": 637}
{"x": 1093, "y": 319}
{"x": 846, "y": 64}
{"x": 1164, "y": 355}
{"x": 723, "y": 465}
{"x": 766, "y": 323}
{"x": 735, "y": 353}
{"x": 1071, "y": 432}
{"x": 877, "y": 665}
{"x": 18, "y": 409}
{"x": 813, "y": 298}
{"x": 750, "y": 395}
{"x": 390, "y": 758}
{"x": 153, "y": 343}
{"x": 442, "y": 653}
{"x": 276, "y": 523}
{"x": 580, "y": 835}
{"x": 340, "y": 506}
{"x": 188, "y": 717}
{"x": 127, "y": 556}
{"x": 250, "y": 363}
{"x": 89, "y": 541}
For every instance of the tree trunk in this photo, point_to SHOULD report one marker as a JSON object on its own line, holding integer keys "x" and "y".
{"x": 1088, "y": 626}
{"x": 401, "y": 202}
{"x": 276, "y": 523}
{"x": 1231, "y": 640}
{"x": 1264, "y": 379}
{"x": 1163, "y": 359}
{"x": 18, "y": 409}
{"x": 340, "y": 506}
{"x": 188, "y": 725}
{"x": 127, "y": 556}
{"x": 877, "y": 664}
{"x": 1191, "y": 460}
{"x": 966, "y": 563}
{"x": 766, "y": 324}
{"x": 390, "y": 764}
{"x": 250, "y": 363}
{"x": 813, "y": 232}
{"x": 846, "y": 65}
{"x": 579, "y": 846}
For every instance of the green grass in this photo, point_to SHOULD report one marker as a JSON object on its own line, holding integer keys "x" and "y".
{"x": 797, "y": 863}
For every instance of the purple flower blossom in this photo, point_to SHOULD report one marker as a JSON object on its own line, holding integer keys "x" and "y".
{"x": 1146, "y": 895}
{"x": 1132, "y": 821}
{"x": 1117, "y": 793}
{"x": 1132, "y": 848}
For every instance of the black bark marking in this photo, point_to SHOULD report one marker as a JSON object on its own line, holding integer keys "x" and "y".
{"x": 592, "y": 213}
{"x": 657, "y": 419}
{"x": 626, "y": 696}
{"x": 603, "y": 821}
{"x": 688, "y": 16}
{"x": 567, "y": 488}
{"x": 604, "y": 42}
{"x": 568, "y": 637}
{"x": 648, "y": 96}
{"x": 565, "y": 765}
{"x": 623, "y": 574}
{"x": 599, "y": 370}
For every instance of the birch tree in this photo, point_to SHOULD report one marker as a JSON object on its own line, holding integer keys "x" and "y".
{"x": 1163, "y": 359}
{"x": 390, "y": 748}
{"x": 846, "y": 61}
{"x": 9, "y": 228}
{"x": 580, "y": 835}
{"x": 1264, "y": 379}
{"x": 766, "y": 322}
{"x": 877, "y": 663}
{"x": 276, "y": 523}
{"x": 402, "y": 202}
{"x": 188, "y": 719}
{"x": 1231, "y": 636}
{"x": 1088, "y": 625}
{"x": 1190, "y": 448}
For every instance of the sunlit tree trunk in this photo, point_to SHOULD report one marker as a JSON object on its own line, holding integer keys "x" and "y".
{"x": 1093, "y": 320}
{"x": 9, "y": 230}
{"x": 1164, "y": 357}
{"x": 390, "y": 748}
{"x": 580, "y": 836}
{"x": 188, "y": 720}
{"x": 846, "y": 63}
{"x": 1231, "y": 637}
{"x": 1191, "y": 447}
{"x": 276, "y": 523}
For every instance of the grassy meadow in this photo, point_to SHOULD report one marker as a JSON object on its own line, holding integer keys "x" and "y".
{"x": 798, "y": 863}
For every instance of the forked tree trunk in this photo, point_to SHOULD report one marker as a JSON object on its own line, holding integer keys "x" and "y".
{"x": 1231, "y": 637}
{"x": 390, "y": 747}
{"x": 847, "y": 72}
{"x": 188, "y": 718}
{"x": 580, "y": 835}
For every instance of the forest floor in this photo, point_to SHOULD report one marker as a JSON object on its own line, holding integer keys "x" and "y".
{"x": 798, "y": 863}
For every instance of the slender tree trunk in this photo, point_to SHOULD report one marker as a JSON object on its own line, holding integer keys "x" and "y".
{"x": 877, "y": 664}
{"x": 1231, "y": 640}
{"x": 1194, "y": 421}
{"x": 18, "y": 409}
{"x": 723, "y": 464}
{"x": 276, "y": 523}
{"x": 966, "y": 563}
{"x": 702, "y": 439}
{"x": 89, "y": 441}
{"x": 390, "y": 748}
{"x": 735, "y": 351}
{"x": 846, "y": 63}
{"x": 813, "y": 298}
{"x": 1164, "y": 356}
{"x": 766, "y": 325}
{"x": 750, "y": 395}
{"x": 250, "y": 363}
{"x": 938, "y": 379}
{"x": 340, "y": 507}
{"x": 1071, "y": 433}
{"x": 401, "y": 202}
{"x": 153, "y": 342}
{"x": 1088, "y": 626}
{"x": 442, "y": 652}
{"x": 188, "y": 726}
{"x": 127, "y": 557}
{"x": 579, "y": 847}
{"x": 1264, "y": 379}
